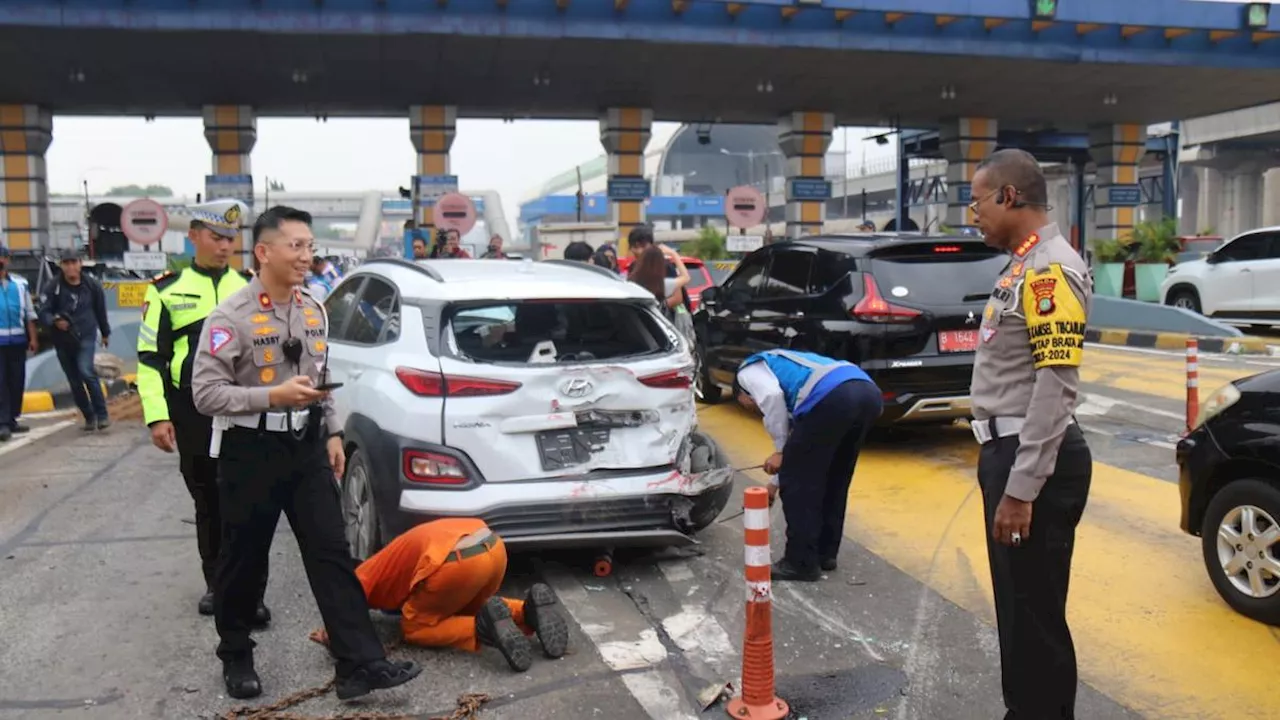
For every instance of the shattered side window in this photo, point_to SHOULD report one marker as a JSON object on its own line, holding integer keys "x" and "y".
{"x": 556, "y": 331}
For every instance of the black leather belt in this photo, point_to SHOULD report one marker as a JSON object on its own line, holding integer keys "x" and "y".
{"x": 483, "y": 546}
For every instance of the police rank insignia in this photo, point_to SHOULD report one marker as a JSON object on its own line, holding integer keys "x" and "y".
{"x": 259, "y": 319}
{"x": 1044, "y": 289}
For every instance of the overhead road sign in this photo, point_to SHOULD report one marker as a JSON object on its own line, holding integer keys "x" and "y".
{"x": 744, "y": 207}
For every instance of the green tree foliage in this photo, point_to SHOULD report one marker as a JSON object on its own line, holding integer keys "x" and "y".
{"x": 710, "y": 245}
{"x": 140, "y": 191}
{"x": 1156, "y": 241}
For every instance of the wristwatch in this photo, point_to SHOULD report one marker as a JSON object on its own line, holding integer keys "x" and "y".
{"x": 340, "y": 435}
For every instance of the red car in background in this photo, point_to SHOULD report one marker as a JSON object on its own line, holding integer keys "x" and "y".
{"x": 699, "y": 277}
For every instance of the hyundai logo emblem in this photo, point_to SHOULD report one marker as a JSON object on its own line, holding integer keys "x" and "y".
{"x": 576, "y": 388}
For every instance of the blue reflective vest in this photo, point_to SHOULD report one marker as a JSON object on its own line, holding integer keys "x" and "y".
{"x": 15, "y": 310}
{"x": 806, "y": 378}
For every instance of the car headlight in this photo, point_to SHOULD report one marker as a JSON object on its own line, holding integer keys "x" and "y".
{"x": 1225, "y": 397}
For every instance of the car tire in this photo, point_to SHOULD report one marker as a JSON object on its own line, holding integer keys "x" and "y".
{"x": 1232, "y": 509}
{"x": 359, "y": 510}
{"x": 705, "y": 391}
{"x": 708, "y": 506}
{"x": 1186, "y": 298}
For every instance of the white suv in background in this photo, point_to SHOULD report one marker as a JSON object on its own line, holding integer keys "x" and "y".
{"x": 550, "y": 399}
{"x": 1239, "y": 282}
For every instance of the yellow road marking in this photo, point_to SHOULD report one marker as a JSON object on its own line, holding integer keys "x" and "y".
{"x": 1154, "y": 375}
{"x": 1150, "y": 631}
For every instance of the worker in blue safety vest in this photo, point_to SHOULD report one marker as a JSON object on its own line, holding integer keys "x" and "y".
{"x": 818, "y": 412}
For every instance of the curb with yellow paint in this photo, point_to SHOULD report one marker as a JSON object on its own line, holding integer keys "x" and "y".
{"x": 1178, "y": 341}
{"x": 40, "y": 401}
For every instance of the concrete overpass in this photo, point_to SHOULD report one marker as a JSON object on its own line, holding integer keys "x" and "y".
{"x": 971, "y": 69}
{"x": 378, "y": 215}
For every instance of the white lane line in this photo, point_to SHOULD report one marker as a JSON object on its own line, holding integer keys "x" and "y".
{"x": 625, "y": 646}
{"x": 676, "y": 571}
{"x": 20, "y": 441}
{"x": 703, "y": 639}
{"x": 1095, "y": 404}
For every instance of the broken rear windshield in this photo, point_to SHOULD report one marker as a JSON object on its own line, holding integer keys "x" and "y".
{"x": 545, "y": 332}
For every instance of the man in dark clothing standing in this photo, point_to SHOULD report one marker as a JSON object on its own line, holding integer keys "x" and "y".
{"x": 74, "y": 308}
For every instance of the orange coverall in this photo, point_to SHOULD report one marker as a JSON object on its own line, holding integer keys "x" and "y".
{"x": 438, "y": 598}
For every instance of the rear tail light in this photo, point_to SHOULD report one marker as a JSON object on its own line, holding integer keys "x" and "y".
{"x": 873, "y": 308}
{"x": 433, "y": 468}
{"x": 429, "y": 384}
{"x": 946, "y": 248}
{"x": 670, "y": 380}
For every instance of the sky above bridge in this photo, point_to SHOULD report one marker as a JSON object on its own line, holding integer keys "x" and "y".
{"x": 341, "y": 155}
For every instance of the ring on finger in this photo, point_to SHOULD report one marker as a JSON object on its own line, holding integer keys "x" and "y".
{"x": 1017, "y": 538}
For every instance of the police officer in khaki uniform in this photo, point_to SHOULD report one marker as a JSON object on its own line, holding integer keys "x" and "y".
{"x": 1034, "y": 467}
{"x": 173, "y": 314}
{"x": 258, "y": 369}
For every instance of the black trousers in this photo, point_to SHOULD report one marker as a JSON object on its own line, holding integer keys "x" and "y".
{"x": 13, "y": 381}
{"x": 817, "y": 466}
{"x": 261, "y": 474}
{"x": 1037, "y": 656}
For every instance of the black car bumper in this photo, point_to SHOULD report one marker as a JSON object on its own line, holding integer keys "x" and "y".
{"x": 1198, "y": 456}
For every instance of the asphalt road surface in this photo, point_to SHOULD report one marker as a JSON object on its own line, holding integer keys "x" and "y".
{"x": 99, "y": 579}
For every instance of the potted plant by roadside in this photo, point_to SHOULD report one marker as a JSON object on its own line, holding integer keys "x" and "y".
{"x": 1157, "y": 245}
{"x": 1108, "y": 267}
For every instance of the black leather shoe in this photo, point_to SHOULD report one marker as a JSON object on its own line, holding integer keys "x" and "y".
{"x": 261, "y": 617}
{"x": 495, "y": 628}
{"x": 828, "y": 565}
{"x": 541, "y": 614}
{"x": 241, "y": 679}
{"x": 18, "y": 428}
{"x": 206, "y": 603}
{"x": 376, "y": 675}
{"x": 5, "y": 434}
{"x": 784, "y": 571}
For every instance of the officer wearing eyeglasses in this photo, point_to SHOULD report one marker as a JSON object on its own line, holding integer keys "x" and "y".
{"x": 258, "y": 371}
{"x": 1034, "y": 467}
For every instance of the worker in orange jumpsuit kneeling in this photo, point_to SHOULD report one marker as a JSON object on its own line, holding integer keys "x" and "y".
{"x": 442, "y": 576}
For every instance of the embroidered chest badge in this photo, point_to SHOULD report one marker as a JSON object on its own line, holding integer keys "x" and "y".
{"x": 218, "y": 339}
{"x": 1043, "y": 289}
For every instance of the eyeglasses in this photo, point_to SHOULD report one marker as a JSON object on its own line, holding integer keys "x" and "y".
{"x": 973, "y": 206}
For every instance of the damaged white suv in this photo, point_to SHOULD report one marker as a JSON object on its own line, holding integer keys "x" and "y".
{"x": 550, "y": 399}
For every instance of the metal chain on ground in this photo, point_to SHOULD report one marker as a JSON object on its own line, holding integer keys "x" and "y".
{"x": 468, "y": 708}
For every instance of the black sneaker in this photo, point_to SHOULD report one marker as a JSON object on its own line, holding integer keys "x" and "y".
{"x": 376, "y": 675}
{"x": 104, "y": 423}
{"x": 205, "y": 606}
{"x": 495, "y": 628}
{"x": 241, "y": 679}
{"x": 784, "y": 571}
{"x": 541, "y": 614}
{"x": 828, "y": 565}
{"x": 5, "y": 434}
{"x": 18, "y": 428}
{"x": 89, "y": 425}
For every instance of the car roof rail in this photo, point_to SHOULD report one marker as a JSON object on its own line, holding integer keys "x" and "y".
{"x": 585, "y": 266}
{"x": 404, "y": 263}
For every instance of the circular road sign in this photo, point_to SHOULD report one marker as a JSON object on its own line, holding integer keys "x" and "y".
{"x": 744, "y": 207}
{"x": 455, "y": 212}
{"x": 144, "y": 221}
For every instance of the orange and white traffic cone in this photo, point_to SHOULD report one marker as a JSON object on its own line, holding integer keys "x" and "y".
{"x": 757, "y": 701}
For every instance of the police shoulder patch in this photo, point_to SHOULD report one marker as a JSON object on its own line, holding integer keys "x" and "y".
{"x": 219, "y": 337}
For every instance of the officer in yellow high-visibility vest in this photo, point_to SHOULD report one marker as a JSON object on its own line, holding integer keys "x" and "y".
{"x": 173, "y": 314}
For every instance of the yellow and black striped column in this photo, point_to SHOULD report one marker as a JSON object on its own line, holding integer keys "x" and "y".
{"x": 965, "y": 143}
{"x": 804, "y": 138}
{"x": 25, "y": 134}
{"x": 1116, "y": 150}
{"x": 232, "y": 131}
{"x": 625, "y": 133}
{"x": 432, "y": 128}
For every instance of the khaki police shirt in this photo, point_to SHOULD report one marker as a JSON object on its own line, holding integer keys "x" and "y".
{"x": 240, "y": 354}
{"x": 1031, "y": 342}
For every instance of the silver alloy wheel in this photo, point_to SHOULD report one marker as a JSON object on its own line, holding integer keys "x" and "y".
{"x": 1246, "y": 542}
{"x": 1185, "y": 301}
{"x": 357, "y": 510}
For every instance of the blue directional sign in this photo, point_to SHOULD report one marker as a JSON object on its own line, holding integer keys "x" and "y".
{"x": 1124, "y": 195}
{"x": 964, "y": 193}
{"x": 222, "y": 187}
{"x": 809, "y": 189}
{"x": 628, "y": 188}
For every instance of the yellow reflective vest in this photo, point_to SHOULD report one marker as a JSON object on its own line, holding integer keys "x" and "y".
{"x": 173, "y": 314}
